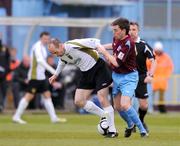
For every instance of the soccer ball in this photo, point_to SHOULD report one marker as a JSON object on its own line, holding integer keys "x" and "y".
{"x": 103, "y": 126}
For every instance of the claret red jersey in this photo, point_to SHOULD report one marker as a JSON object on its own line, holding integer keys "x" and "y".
{"x": 124, "y": 51}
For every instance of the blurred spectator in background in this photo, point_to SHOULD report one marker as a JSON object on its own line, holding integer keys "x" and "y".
{"x": 14, "y": 63}
{"x": 4, "y": 69}
{"x": 57, "y": 89}
{"x": 20, "y": 79}
{"x": 162, "y": 73}
{"x": 70, "y": 77}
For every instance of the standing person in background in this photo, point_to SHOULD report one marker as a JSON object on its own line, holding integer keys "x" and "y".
{"x": 95, "y": 75}
{"x": 14, "y": 63}
{"x": 162, "y": 74}
{"x": 20, "y": 80}
{"x": 143, "y": 52}
{"x": 4, "y": 70}
{"x": 57, "y": 89}
{"x": 125, "y": 75}
{"x": 37, "y": 81}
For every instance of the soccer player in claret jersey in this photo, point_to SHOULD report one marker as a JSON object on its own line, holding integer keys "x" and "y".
{"x": 95, "y": 75}
{"x": 143, "y": 52}
{"x": 125, "y": 75}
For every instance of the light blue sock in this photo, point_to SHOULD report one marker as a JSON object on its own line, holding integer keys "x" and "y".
{"x": 126, "y": 118}
{"x": 131, "y": 112}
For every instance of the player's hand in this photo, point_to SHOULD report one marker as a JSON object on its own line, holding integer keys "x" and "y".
{"x": 57, "y": 85}
{"x": 101, "y": 49}
{"x": 26, "y": 81}
{"x": 148, "y": 79}
{"x": 52, "y": 79}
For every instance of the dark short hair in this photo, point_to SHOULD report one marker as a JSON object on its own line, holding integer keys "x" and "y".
{"x": 44, "y": 33}
{"x": 134, "y": 23}
{"x": 123, "y": 23}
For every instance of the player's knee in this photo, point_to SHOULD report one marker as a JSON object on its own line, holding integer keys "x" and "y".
{"x": 144, "y": 106}
{"x": 116, "y": 108}
{"x": 125, "y": 106}
{"x": 102, "y": 97}
{"x": 28, "y": 97}
{"x": 101, "y": 100}
{"x": 79, "y": 103}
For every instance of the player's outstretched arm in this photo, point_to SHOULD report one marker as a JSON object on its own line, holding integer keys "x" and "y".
{"x": 108, "y": 46}
{"x": 108, "y": 56}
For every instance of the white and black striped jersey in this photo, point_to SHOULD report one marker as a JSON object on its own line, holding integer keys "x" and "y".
{"x": 80, "y": 52}
{"x": 143, "y": 51}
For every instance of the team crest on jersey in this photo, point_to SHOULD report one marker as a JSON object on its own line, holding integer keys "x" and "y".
{"x": 121, "y": 55}
{"x": 119, "y": 48}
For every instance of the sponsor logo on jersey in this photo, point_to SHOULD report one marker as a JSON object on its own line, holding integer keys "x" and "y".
{"x": 146, "y": 94}
{"x": 121, "y": 55}
{"x": 104, "y": 84}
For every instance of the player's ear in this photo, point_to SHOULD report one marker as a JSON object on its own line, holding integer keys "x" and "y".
{"x": 61, "y": 45}
{"x": 51, "y": 47}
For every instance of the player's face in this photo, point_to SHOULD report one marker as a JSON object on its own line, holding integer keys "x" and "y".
{"x": 45, "y": 39}
{"x": 134, "y": 32}
{"x": 56, "y": 51}
{"x": 118, "y": 32}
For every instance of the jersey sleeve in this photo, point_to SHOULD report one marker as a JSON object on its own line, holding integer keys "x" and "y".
{"x": 148, "y": 51}
{"x": 60, "y": 67}
{"x": 93, "y": 43}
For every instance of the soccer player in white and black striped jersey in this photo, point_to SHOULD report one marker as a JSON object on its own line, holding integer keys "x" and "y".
{"x": 96, "y": 75}
{"x": 143, "y": 52}
{"x": 37, "y": 82}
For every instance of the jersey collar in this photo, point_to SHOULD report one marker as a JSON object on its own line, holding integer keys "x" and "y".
{"x": 138, "y": 40}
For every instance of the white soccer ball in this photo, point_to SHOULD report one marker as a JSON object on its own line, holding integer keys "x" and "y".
{"x": 103, "y": 126}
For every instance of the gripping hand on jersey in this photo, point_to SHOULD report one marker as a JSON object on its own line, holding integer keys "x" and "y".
{"x": 52, "y": 79}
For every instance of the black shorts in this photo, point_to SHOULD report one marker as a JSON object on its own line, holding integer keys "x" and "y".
{"x": 37, "y": 86}
{"x": 141, "y": 90}
{"x": 98, "y": 77}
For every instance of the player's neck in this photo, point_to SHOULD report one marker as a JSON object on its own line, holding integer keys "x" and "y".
{"x": 63, "y": 49}
{"x": 124, "y": 37}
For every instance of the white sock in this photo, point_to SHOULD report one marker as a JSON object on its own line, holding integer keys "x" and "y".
{"x": 110, "y": 111}
{"x": 50, "y": 108}
{"x": 21, "y": 107}
{"x": 94, "y": 109}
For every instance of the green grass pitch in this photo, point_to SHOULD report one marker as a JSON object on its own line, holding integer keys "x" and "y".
{"x": 81, "y": 130}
